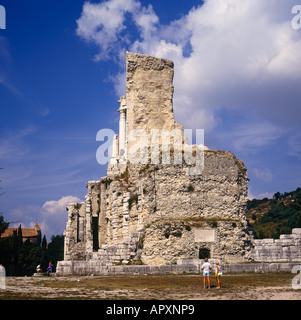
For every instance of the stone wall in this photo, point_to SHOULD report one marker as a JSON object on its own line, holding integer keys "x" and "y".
{"x": 75, "y": 237}
{"x": 287, "y": 248}
{"x": 149, "y": 93}
{"x": 157, "y": 213}
{"x": 96, "y": 268}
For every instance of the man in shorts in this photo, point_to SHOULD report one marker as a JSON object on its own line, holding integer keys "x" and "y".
{"x": 206, "y": 267}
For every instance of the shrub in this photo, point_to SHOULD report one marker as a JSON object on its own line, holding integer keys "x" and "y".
{"x": 187, "y": 228}
{"x": 133, "y": 198}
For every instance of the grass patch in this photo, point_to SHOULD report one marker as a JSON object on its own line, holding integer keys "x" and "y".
{"x": 168, "y": 282}
{"x": 146, "y": 287}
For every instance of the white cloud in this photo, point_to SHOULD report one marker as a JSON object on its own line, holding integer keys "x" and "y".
{"x": 146, "y": 20}
{"x": 51, "y": 216}
{"x": 103, "y": 23}
{"x": 237, "y": 55}
{"x": 263, "y": 195}
{"x": 56, "y": 207}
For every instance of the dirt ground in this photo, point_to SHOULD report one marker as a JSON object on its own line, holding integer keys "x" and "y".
{"x": 268, "y": 286}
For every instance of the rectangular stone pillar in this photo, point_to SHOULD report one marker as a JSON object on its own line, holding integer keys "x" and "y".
{"x": 89, "y": 238}
{"x": 149, "y": 94}
{"x": 122, "y": 130}
{"x": 115, "y": 150}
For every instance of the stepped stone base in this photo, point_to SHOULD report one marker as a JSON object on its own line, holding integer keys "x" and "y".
{"x": 287, "y": 248}
{"x": 96, "y": 268}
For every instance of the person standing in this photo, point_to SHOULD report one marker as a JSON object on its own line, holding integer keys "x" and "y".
{"x": 2, "y": 277}
{"x": 50, "y": 265}
{"x": 218, "y": 274}
{"x": 206, "y": 267}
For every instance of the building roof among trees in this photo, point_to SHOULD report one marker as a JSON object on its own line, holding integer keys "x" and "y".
{"x": 26, "y": 232}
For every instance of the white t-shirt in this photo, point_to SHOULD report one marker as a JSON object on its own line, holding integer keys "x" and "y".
{"x": 206, "y": 266}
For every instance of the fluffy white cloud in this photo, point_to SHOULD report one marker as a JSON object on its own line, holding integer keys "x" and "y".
{"x": 103, "y": 23}
{"x": 232, "y": 55}
{"x": 56, "y": 207}
{"x": 263, "y": 195}
{"x": 51, "y": 216}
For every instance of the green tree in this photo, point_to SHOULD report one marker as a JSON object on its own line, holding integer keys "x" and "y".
{"x": 44, "y": 259}
{"x": 4, "y": 243}
{"x": 19, "y": 237}
{"x": 298, "y": 222}
{"x": 44, "y": 243}
{"x": 277, "y": 195}
{"x": 3, "y": 225}
{"x": 21, "y": 259}
{"x": 55, "y": 250}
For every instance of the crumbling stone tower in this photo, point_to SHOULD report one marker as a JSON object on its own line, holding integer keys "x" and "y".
{"x": 156, "y": 213}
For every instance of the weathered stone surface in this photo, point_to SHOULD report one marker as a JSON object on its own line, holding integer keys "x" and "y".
{"x": 149, "y": 93}
{"x": 287, "y": 248}
{"x": 296, "y": 231}
{"x": 203, "y": 235}
{"x": 151, "y": 213}
{"x": 92, "y": 268}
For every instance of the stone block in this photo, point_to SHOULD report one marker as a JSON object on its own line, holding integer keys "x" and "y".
{"x": 285, "y": 236}
{"x": 287, "y": 242}
{"x": 165, "y": 269}
{"x": 268, "y": 241}
{"x": 296, "y": 236}
{"x": 204, "y": 235}
{"x": 189, "y": 262}
{"x": 111, "y": 249}
{"x": 296, "y": 231}
{"x": 122, "y": 246}
{"x": 154, "y": 269}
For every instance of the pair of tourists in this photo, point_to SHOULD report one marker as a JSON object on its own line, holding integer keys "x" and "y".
{"x": 49, "y": 268}
{"x": 206, "y": 267}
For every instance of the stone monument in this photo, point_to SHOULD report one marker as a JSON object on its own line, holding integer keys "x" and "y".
{"x": 155, "y": 213}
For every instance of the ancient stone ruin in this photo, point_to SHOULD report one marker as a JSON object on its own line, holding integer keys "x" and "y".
{"x": 286, "y": 248}
{"x": 158, "y": 212}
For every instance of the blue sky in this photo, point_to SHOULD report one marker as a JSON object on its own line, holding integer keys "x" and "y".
{"x": 237, "y": 75}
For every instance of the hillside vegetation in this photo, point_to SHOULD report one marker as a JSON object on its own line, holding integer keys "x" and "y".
{"x": 272, "y": 217}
